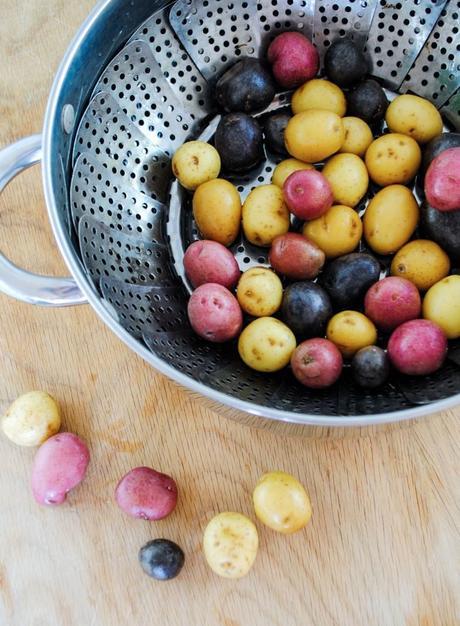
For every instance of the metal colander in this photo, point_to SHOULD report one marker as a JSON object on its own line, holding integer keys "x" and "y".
{"x": 130, "y": 222}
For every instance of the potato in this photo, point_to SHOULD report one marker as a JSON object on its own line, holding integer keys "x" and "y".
{"x": 392, "y": 301}
{"x": 31, "y": 419}
{"x": 230, "y": 544}
{"x": 217, "y": 211}
{"x": 414, "y": 116}
{"x": 337, "y": 232}
{"x": 294, "y": 59}
{"x": 321, "y": 94}
{"x": 194, "y": 163}
{"x": 417, "y": 348}
{"x": 393, "y": 159}
{"x": 294, "y": 256}
{"x": 358, "y": 136}
{"x": 146, "y": 494}
{"x": 422, "y": 262}
{"x": 314, "y": 135}
{"x": 214, "y": 313}
{"x": 210, "y": 262}
{"x": 287, "y": 167}
{"x": 266, "y": 344}
{"x": 281, "y": 502}
{"x": 259, "y": 292}
{"x": 390, "y": 219}
{"x": 442, "y": 181}
{"x": 317, "y": 363}
{"x": 59, "y": 465}
{"x": 350, "y": 331}
{"x": 308, "y": 194}
{"x": 442, "y": 305}
{"x": 265, "y": 215}
{"x": 348, "y": 178}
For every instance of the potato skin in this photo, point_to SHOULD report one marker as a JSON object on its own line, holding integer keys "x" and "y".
{"x": 33, "y": 418}
{"x": 245, "y": 87}
{"x": 317, "y": 363}
{"x": 281, "y": 502}
{"x": 390, "y": 219}
{"x": 442, "y": 305}
{"x": 217, "y": 211}
{"x": 295, "y": 256}
{"x": 414, "y": 116}
{"x": 230, "y": 544}
{"x": 294, "y": 59}
{"x": 266, "y": 344}
{"x": 265, "y": 215}
{"x": 443, "y": 227}
{"x": 308, "y": 194}
{"x": 348, "y": 178}
{"x": 337, "y": 232}
{"x": 208, "y": 261}
{"x": 321, "y": 94}
{"x": 259, "y": 292}
{"x": 392, "y": 301}
{"x": 314, "y": 135}
{"x": 422, "y": 262}
{"x": 347, "y": 278}
{"x": 442, "y": 181}
{"x": 287, "y": 167}
{"x": 393, "y": 159}
{"x": 350, "y": 331}
{"x": 417, "y": 348}
{"x": 194, "y": 163}
{"x": 358, "y": 136}
{"x": 214, "y": 313}
{"x": 144, "y": 493}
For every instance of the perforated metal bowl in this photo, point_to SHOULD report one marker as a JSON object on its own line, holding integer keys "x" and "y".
{"x": 135, "y": 84}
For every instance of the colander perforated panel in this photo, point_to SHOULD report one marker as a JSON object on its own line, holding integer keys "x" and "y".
{"x": 451, "y": 110}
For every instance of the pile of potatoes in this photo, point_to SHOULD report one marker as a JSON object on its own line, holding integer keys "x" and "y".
{"x": 360, "y": 271}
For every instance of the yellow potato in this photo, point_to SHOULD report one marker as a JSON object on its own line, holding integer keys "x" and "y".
{"x": 314, "y": 135}
{"x": 217, "y": 211}
{"x": 32, "y": 419}
{"x": 259, "y": 292}
{"x": 390, "y": 219}
{"x": 422, "y": 262}
{"x": 230, "y": 544}
{"x": 358, "y": 136}
{"x": 348, "y": 178}
{"x": 195, "y": 163}
{"x": 265, "y": 215}
{"x": 337, "y": 232}
{"x": 281, "y": 502}
{"x": 351, "y": 331}
{"x": 414, "y": 116}
{"x": 442, "y": 305}
{"x": 266, "y": 344}
{"x": 321, "y": 94}
{"x": 393, "y": 159}
{"x": 287, "y": 167}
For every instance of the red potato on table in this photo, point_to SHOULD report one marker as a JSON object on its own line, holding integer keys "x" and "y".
{"x": 294, "y": 59}
{"x": 442, "y": 181}
{"x": 210, "y": 262}
{"x": 214, "y": 313}
{"x": 418, "y": 348}
{"x": 146, "y": 494}
{"x": 392, "y": 301}
{"x": 317, "y": 363}
{"x": 308, "y": 194}
{"x": 294, "y": 256}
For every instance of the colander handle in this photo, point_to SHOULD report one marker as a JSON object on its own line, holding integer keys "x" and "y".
{"x": 15, "y": 282}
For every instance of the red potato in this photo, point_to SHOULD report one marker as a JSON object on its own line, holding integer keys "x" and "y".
{"x": 294, "y": 256}
{"x": 317, "y": 363}
{"x": 211, "y": 262}
{"x": 418, "y": 347}
{"x": 391, "y": 302}
{"x": 214, "y": 313}
{"x": 442, "y": 181}
{"x": 59, "y": 465}
{"x": 144, "y": 493}
{"x": 294, "y": 59}
{"x": 308, "y": 194}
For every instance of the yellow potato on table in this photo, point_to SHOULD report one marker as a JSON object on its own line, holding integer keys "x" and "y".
{"x": 265, "y": 215}
{"x": 358, "y": 136}
{"x": 441, "y": 305}
{"x": 393, "y": 159}
{"x": 194, "y": 163}
{"x": 422, "y": 262}
{"x": 348, "y": 177}
{"x": 266, "y": 344}
{"x": 319, "y": 93}
{"x": 390, "y": 219}
{"x": 33, "y": 418}
{"x": 314, "y": 135}
{"x": 259, "y": 292}
{"x": 281, "y": 502}
{"x": 230, "y": 544}
{"x": 350, "y": 331}
{"x": 217, "y": 211}
{"x": 337, "y": 232}
{"x": 287, "y": 167}
{"x": 414, "y": 116}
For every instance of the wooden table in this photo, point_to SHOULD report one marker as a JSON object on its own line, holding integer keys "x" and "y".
{"x": 383, "y": 544}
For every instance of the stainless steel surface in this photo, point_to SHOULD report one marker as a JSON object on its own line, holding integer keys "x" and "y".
{"x": 16, "y": 282}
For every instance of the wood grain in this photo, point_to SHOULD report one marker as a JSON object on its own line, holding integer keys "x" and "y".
{"x": 383, "y": 545}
